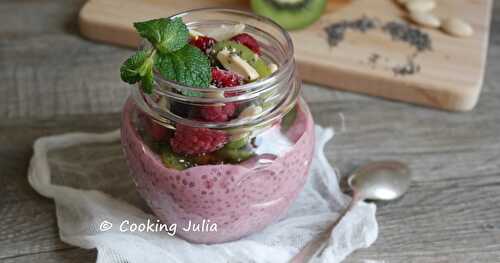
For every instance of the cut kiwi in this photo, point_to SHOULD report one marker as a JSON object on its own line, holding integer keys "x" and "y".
{"x": 246, "y": 54}
{"x": 234, "y": 156}
{"x": 290, "y": 14}
{"x": 289, "y": 119}
{"x": 172, "y": 160}
{"x": 238, "y": 143}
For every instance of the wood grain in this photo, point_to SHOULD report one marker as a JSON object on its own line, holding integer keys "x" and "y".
{"x": 451, "y": 213}
{"x": 450, "y": 76}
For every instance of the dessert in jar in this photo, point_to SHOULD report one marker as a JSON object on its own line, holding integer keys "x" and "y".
{"x": 216, "y": 133}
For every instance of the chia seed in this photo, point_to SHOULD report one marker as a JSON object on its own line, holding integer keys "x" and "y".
{"x": 409, "y": 68}
{"x": 403, "y": 32}
{"x": 398, "y": 31}
{"x": 336, "y": 31}
{"x": 373, "y": 59}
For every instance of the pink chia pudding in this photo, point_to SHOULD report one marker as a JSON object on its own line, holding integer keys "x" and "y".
{"x": 240, "y": 199}
{"x": 216, "y": 136}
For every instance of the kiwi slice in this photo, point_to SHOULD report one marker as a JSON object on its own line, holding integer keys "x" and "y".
{"x": 172, "y": 160}
{"x": 289, "y": 119}
{"x": 238, "y": 143}
{"x": 234, "y": 156}
{"x": 246, "y": 54}
{"x": 290, "y": 14}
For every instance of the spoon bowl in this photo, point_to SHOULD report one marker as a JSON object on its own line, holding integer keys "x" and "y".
{"x": 384, "y": 181}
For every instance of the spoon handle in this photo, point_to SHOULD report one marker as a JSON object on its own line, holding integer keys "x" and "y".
{"x": 315, "y": 247}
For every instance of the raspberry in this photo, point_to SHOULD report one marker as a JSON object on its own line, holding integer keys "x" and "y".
{"x": 196, "y": 141}
{"x": 247, "y": 40}
{"x": 223, "y": 78}
{"x": 218, "y": 113}
{"x": 202, "y": 42}
{"x": 155, "y": 130}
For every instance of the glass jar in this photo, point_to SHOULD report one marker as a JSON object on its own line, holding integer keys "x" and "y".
{"x": 261, "y": 163}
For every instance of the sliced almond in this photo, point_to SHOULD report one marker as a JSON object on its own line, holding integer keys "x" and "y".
{"x": 164, "y": 104}
{"x": 457, "y": 27}
{"x": 194, "y": 34}
{"x": 215, "y": 93}
{"x": 273, "y": 67}
{"x": 250, "y": 111}
{"x": 225, "y": 32}
{"x": 420, "y": 5}
{"x": 425, "y": 19}
{"x": 233, "y": 62}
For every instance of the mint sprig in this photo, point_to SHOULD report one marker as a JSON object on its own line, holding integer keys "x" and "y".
{"x": 188, "y": 66}
{"x": 164, "y": 34}
{"x": 170, "y": 55}
{"x": 139, "y": 67}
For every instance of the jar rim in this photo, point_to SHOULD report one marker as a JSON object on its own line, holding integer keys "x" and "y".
{"x": 260, "y": 84}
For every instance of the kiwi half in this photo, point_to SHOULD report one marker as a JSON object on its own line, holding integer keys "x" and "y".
{"x": 290, "y": 14}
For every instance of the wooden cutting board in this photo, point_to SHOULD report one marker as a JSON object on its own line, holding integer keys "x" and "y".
{"x": 449, "y": 77}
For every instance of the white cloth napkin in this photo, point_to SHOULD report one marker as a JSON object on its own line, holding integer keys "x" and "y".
{"x": 86, "y": 176}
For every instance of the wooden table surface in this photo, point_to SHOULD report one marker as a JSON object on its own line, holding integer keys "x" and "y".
{"x": 53, "y": 81}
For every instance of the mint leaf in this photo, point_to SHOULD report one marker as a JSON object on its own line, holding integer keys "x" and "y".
{"x": 129, "y": 71}
{"x": 187, "y": 66}
{"x": 170, "y": 55}
{"x": 164, "y": 34}
{"x": 147, "y": 82}
{"x": 139, "y": 67}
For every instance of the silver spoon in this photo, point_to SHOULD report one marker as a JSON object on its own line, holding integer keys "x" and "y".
{"x": 378, "y": 181}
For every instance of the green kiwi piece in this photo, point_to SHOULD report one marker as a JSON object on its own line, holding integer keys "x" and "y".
{"x": 246, "y": 54}
{"x": 238, "y": 143}
{"x": 290, "y": 14}
{"x": 172, "y": 160}
{"x": 289, "y": 119}
{"x": 234, "y": 156}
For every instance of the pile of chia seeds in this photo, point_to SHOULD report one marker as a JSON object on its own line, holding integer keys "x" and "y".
{"x": 398, "y": 31}
{"x": 337, "y": 30}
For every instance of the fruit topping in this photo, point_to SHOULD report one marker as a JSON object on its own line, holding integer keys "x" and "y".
{"x": 224, "y": 32}
{"x": 172, "y": 160}
{"x": 233, "y": 62}
{"x": 234, "y": 155}
{"x": 273, "y": 67}
{"x": 247, "y": 40}
{"x": 204, "y": 43}
{"x": 193, "y": 33}
{"x": 214, "y": 93}
{"x": 227, "y": 58}
{"x": 245, "y": 54}
{"x": 195, "y": 141}
{"x": 218, "y": 113}
{"x": 251, "y": 111}
{"x": 204, "y": 159}
{"x": 289, "y": 119}
{"x": 223, "y": 78}
{"x": 156, "y": 130}
{"x": 239, "y": 142}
